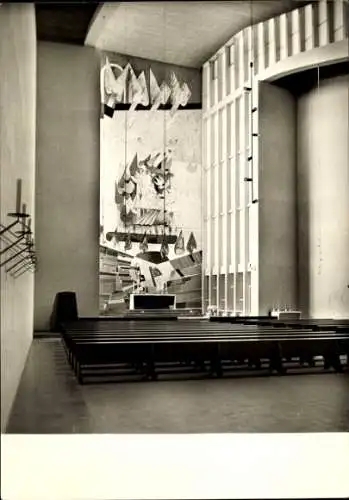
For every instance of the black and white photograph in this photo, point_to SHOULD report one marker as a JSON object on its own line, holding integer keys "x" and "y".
{"x": 174, "y": 241}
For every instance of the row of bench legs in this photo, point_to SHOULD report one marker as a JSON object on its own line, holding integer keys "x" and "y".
{"x": 147, "y": 369}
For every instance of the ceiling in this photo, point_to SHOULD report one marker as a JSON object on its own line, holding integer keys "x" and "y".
{"x": 184, "y": 33}
{"x": 66, "y": 22}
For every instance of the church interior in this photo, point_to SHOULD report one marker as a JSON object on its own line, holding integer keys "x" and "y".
{"x": 174, "y": 217}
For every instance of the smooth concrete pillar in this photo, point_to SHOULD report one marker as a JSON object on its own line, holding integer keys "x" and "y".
{"x": 323, "y": 199}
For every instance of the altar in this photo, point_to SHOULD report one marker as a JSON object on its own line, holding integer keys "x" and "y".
{"x": 152, "y": 301}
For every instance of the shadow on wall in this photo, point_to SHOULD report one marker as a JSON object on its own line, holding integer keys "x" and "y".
{"x": 303, "y": 222}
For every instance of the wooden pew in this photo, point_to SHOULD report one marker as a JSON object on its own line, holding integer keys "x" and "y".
{"x": 146, "y": 344}
{"x": 315, "y": 324}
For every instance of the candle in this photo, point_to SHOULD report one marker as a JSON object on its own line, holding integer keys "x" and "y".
{"x": 18, "y": 196}
{"x": 24, "y": 211}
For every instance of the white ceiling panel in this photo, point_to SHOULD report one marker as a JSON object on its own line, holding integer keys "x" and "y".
{"x": 183, "y": 33}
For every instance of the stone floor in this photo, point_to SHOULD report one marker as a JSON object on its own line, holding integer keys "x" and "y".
{"x": 49, "y": 400}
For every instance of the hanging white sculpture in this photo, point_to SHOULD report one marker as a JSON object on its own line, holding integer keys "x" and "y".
{"x": 133, "y": 90}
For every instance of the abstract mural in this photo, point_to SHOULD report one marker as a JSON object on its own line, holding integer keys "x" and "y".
{"x": 150, "y": 212}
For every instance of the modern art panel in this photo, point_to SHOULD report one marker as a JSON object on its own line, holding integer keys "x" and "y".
{"x": 150, "y": 207}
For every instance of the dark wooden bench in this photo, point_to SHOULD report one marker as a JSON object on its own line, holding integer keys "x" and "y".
{"x": 201, "y": 350}
{"x": 92, "y": 344}
{"x": 314, "y": 324}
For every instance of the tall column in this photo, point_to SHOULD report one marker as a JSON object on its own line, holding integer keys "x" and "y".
{"x": 323, "y": 199}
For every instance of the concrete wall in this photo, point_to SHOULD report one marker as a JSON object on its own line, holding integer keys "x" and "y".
{"x": 323, "y": 195}
{"x": 17, "y": 160}
{"x": 277, "y": 198}
{"x": 68, "y": 156}
{"x": 67, "y": 189}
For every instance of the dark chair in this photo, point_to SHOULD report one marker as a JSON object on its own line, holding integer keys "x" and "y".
{"x": 64, "y": 309}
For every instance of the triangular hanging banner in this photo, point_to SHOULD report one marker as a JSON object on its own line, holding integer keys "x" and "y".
{"x": 138, "y": 92}
{"x": 176, "y": 94}
{"x": 154, "y": 273}
{"x": 154, "y": 87}
{"x": 165, "y": 93}
{"x": 175, "y": 87}
{"x": 179, "y": 245}
{"x": 107, "y": 84}
{"x": 164, "y": 248}
{"x": 119, "y": 191}
{"x": 120, "y": 88}
{"x": 185, "y": 95}
{"x": 134, "y": 88}
{"x": 133, "y": 166}
{"x": 127, "y": 185}
{"x": 129, "y": 209}
{"x": 109, "y": 78}
{"x": 143, "y": 246}
{"x": 163, "y": 97}
{"x": 115, "y": 86}
{"x": 157, "y": 160}
{"x": 145, "y": 95}
{"x": 191, "y": 245}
